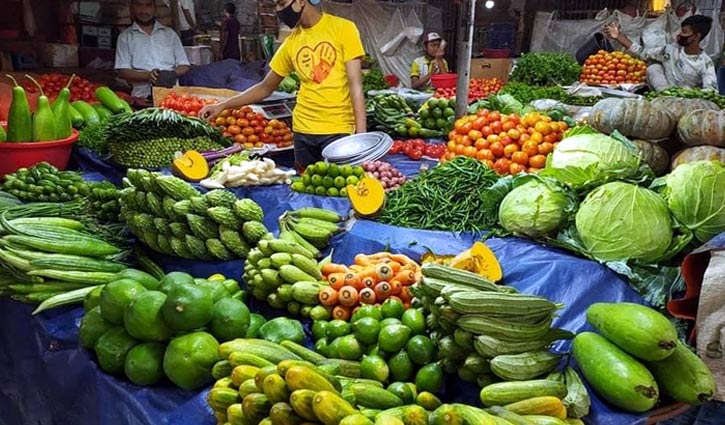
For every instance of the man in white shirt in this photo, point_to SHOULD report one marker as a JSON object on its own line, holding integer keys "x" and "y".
{"x": 684, "y": 64}
{"x": 146, "y": 48}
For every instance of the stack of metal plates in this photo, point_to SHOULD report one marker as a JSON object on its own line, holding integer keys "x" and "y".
{"x": 358, "y": 148}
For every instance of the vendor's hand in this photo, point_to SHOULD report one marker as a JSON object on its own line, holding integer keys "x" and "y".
{"x": 612, "y": 31}
{"x": 209, "y": 112}
{"x": 153, "y": 76}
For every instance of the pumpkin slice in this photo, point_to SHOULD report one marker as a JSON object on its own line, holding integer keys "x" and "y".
{"x": 479, "y": 259}
{"x": 191, "y": 166}
{"x": 367, "y": 197}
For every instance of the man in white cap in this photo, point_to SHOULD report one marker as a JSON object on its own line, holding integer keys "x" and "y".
{"x": 431, "y": 63}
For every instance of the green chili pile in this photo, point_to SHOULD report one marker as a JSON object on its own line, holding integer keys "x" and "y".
{"x": 447, "y": 197}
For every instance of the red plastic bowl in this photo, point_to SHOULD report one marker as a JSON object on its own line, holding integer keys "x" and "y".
{"x": 444, "y": 81}
{"x": 19, "y": 155}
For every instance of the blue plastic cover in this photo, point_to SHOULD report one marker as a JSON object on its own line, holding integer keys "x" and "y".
{"x": 46, "y": 378}
{"x": 42, "y": 365}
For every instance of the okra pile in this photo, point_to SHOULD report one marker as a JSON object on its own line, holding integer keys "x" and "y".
{"x": 45, "y": 183}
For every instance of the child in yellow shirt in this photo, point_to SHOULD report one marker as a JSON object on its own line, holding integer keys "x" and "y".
{"x": 325, "y": 51}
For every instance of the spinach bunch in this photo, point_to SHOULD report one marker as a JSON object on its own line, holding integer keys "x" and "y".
{"x": 546, "y": 69}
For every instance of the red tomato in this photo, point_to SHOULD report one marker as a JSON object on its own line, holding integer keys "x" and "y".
{"x": 416, "y": 154}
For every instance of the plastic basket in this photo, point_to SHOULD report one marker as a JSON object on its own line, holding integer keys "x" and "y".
{"x": 444, "y": 81}
{"x": 19, "y": 155}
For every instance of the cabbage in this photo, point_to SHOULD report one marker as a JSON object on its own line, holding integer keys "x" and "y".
{"x": 589, "y": 159}
{"x": 535, "y": 208}
{"x": 695, "y": 194}
{"x": 622, "y": 221}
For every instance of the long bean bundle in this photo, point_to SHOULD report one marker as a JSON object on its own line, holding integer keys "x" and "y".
{"x": 448, "y": 197}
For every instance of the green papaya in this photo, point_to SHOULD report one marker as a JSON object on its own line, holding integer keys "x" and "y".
{"x": 614, "y": 374}
{"x": 639, "y": 330}
{"x": 684, "y": 376}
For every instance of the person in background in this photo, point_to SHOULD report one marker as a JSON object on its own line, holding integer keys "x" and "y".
{"x": 146, "y": 48}
{"x": 187, "y": 21}
{"x": 230, "y": 33}
{"x": 325, "y": 52}
{"x": 684, "y": 64}
{"x": 430, "y": 64}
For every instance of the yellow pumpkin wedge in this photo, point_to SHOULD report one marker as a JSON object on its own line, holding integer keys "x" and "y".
{"x": 191, "y": 166}
{"x": 479, "y": 259}
{"x": 367, "y": 197}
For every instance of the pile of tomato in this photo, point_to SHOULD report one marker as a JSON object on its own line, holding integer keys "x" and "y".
{"x": 185, "y": 104}
{"x": 611, "y": 68}
{"x": 415, "y": 149}
{"x": 510, "y": 144}
{"x": 478, "y": 89}
{"x": 52, "y": 84}
{"x": 251, "y": 129}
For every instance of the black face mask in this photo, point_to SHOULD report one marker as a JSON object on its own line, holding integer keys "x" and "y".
{"x": 684, "y": 41}
{"x": 289, "y": 16}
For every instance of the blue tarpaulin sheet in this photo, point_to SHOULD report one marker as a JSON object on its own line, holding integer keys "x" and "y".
{"x": 42, "y": 365}
{"x": 46, "y": 378}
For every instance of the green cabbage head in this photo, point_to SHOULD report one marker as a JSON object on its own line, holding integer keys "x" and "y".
{"x": 695, "y": 194}
{"x": 591, "y": 159}
{"x": 622, "y": 221}
{"x": 534, "y": 209}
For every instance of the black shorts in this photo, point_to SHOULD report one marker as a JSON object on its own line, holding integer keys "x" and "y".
{"x": 187, "y": 38}
{"x": 308, "y": 148}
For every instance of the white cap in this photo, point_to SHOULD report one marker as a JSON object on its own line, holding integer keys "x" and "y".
{"x": 432, "y": 36}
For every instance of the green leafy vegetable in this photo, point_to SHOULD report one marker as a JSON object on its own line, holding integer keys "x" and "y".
{"x": 526, "y": 93}
{"x": 590, "y": 159}
{"x": 620, "y": 221}
{"x": 690, "y": 93}
{"x": 374, "y": 80}
{"x": 535, "y": 207}
{"x": 546, "y": 69}
{"x": 695, "y": 194}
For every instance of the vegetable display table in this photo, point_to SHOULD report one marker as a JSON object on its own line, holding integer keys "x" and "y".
{"x": 47, "y": 378}
{"x": 42, "y": 365}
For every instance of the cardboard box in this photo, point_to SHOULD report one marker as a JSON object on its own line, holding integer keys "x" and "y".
{"x": 491, "y": 68}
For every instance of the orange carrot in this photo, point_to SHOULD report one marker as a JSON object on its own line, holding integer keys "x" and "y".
{"x": 367, "y": 296}
{"x": 405, "y": 294}
{"x": 396, "y": 287}
{"x": 368, "y": 272}
{"x": 336, "y": 280}
{"x": 355, "y": 268}
{"x": 351, "y": 279}
{"x": 406, "y": 277}
{"x": 328, "y": 296}
{"x": 362, "y": 260}
{"x": 341, "y": 313}
{"x": 384, "y": 272}
{"x": 382, "y": 291}
{"x": 396, "y": 266}
{"x": 347, "y": 296}
{"x": 330, "y": 268}
{"x": 367, "y": 282}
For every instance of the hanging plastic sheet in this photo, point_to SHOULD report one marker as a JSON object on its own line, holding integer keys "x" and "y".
{"x": 370, "y": 16}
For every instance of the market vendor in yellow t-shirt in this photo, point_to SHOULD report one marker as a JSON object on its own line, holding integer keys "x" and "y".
{"x": 430, "y": 64}
{"x": 325, "y": 52}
